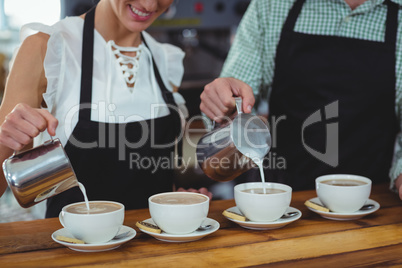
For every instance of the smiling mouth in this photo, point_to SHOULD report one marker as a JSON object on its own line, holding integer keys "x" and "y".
{"x": 139, "y": 12}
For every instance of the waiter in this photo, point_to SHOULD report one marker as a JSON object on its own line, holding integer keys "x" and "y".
{"x": 331, "y": 72}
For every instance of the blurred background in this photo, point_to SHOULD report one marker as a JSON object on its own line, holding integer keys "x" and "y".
{"x": 204, "y": 29}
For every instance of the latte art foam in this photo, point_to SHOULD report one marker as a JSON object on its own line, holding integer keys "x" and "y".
{"x": 344, "y": 182}
{"x": 94, "y": 208}
{"x": 264, "y": 191}
{"x": 179, "y": 199}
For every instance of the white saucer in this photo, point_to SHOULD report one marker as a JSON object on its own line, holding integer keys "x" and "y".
{"x": 344, "y": 216}
{"x": 112, "y": 244}
{"x": 269, "y": 225}
{"x": 196, "y": 235}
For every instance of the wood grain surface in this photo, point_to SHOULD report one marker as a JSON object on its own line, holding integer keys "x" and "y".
{"x": 312, "y": 241}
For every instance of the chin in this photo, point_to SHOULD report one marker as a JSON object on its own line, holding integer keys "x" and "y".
{"x": 138, "y": 27}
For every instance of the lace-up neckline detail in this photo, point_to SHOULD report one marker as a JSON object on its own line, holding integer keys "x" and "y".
{"x": 128, "y": 64}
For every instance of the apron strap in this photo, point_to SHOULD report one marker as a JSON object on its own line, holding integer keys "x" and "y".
{"x": 168, "y": 98}
{"x": 87, "y": 66}
{"x": 391, "y": 24}
{"x": 292, "y": 16}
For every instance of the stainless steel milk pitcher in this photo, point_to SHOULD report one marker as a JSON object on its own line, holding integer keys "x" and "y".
{"x": 39, "y": 173}
{"x": 234, "y": 147}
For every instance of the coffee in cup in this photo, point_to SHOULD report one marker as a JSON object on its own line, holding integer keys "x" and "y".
{"x": 178, "y": 212}
{"x": 262, "y": 205}
{"x": 343, "y": 193}
{"x": 97, "y": 225}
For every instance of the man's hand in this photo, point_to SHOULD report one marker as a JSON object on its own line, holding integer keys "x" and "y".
{"x": 217, "y": 99}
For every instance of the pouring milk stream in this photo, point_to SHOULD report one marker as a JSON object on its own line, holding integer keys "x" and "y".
{"x": 234, "y": 147}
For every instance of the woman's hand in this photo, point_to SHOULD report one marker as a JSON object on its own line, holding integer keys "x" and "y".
{"x": 202, "y": 190}
{"x": 23, "y": 124}
{"x": 217, "y": 99}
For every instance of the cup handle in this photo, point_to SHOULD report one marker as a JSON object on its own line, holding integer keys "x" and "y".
{"x": 61, "y": 218}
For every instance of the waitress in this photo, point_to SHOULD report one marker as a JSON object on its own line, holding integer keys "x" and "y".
{"x": 329, "y": 72}
{"x": 105, "y": 87}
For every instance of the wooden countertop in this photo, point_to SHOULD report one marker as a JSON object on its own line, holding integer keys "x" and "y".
{"x": 312, "y": 241}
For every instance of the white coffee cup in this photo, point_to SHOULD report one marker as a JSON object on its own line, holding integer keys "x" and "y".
{"x": 262, "y": 207}
{"x": 93, "y": 228}
{"x": 178, "y": 212}
{"x": 347, "y": 194}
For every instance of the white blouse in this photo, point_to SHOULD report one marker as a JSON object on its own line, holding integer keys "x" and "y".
{"x": 112, "y": 100}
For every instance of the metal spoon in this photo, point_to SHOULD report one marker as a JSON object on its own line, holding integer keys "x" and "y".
{"x": 204, "y": 227}
{"x": 289, "y": 214}
{"x": 367, "y": 207}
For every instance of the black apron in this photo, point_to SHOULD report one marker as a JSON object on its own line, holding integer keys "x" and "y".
{"x": 333, "y": 99}
{"x": 110, "y": 165}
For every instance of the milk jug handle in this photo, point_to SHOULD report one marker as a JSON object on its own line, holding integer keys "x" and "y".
{"x": 239, "y": 103}
{"x": 45, "y": 143}
{"x": 49, "y": 141}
